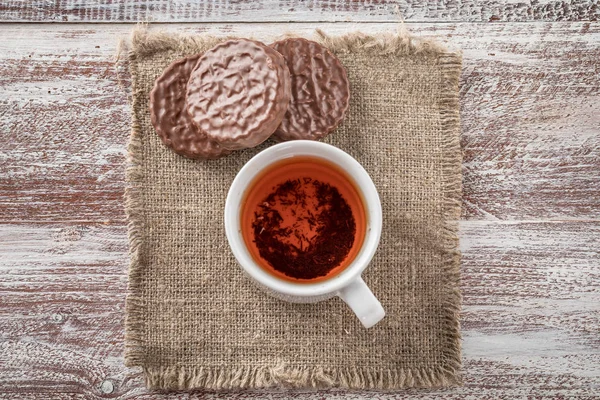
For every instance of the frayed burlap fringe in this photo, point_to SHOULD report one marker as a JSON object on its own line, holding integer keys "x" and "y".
{"x": 401, "y": 43}
{"x": 451, "y": 206}
{"x": 398, "y": 44}
{"x": 135, "y": 306}
{"x": 146, "y": 43}
{"x": 280, "y": 376}
{"x": 143, "y": 44}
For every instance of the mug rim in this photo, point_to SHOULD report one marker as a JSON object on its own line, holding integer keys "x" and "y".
{"x": 342, "y": 160}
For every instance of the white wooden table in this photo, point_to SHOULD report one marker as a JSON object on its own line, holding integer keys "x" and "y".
{"x": 530, "y": 105}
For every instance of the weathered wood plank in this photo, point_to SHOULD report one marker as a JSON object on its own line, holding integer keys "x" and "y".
{"x": 298, "y": 11}
{"x": 530, "y": 319}
{"x": 529, "y": 95}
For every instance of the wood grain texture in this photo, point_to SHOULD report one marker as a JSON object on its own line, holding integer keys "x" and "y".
{"x": 530, "y": 317}
{"x": 531, "y": 261}
{"x": 126, "y": 11}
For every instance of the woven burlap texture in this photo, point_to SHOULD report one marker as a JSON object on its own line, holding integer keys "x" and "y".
{"x": 194, "y": 320}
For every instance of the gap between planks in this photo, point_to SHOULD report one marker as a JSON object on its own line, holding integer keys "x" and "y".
{"x": 299, "y": 11}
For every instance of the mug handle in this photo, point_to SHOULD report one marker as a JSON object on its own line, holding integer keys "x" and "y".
{"x": 361, "y": 300}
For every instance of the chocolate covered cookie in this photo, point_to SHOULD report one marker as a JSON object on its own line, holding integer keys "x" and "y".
{"x": 169, "y": 116}
{"x": 238, "y": 93}
{"x": 320, "y": 90}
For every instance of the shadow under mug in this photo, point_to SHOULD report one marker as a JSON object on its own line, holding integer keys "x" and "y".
{"x": 348, "y": 284}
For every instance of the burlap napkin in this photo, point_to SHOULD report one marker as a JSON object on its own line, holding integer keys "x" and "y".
{"x": 194, "y": 320}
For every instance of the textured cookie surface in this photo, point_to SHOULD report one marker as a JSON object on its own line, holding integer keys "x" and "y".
{"x": 238, "y": 93}
{"x": 320, "y": 90}
{"x": 170, "y": 118}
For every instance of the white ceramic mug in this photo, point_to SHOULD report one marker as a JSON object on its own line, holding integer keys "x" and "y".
{"x": 348, "y": 284}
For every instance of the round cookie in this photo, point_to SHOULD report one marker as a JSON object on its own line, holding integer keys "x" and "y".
{"x": 169, "y": 116}
{"x": 238, "y": 93}
{"x": 320, "y": 90}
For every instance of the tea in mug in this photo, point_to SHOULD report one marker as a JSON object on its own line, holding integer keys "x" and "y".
{"x": 303, "y": 220}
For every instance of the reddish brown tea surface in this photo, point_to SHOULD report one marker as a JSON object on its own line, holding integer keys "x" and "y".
{"x": 303, "y": 220}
